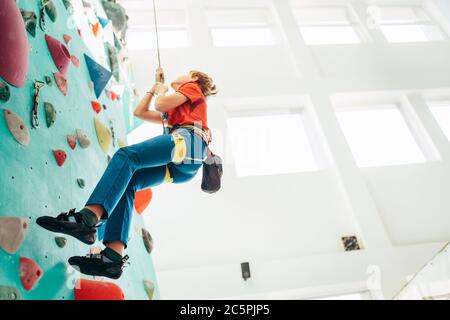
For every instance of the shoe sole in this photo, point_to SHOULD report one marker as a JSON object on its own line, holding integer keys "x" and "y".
{"x": 90, "y": 272}
{"x": 61, "y": 228}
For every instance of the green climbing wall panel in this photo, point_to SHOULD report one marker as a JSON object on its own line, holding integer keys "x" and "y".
{"x": 34, "y": 185}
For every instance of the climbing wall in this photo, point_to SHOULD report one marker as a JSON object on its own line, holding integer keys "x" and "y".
{"x": 56, "y": 165}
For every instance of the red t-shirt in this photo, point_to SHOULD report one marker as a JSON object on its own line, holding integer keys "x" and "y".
{"x": 193, "y": 111}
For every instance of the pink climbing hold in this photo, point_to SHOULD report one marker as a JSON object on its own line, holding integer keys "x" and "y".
{"x": 14, "y": 44}
{"x": 67, "y": 38}
{"x": 72, "y": 141}
{"x": 75, "y": 61}
{"x": 30, "y": 273}
{"x": 60, "y": 156}
{"x": 62, "y": 83}
{"x": 97, "y": 290}
{"x": 60, "y": 54}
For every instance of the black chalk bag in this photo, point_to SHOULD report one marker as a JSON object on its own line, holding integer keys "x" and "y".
{"x": 212, "y": 173}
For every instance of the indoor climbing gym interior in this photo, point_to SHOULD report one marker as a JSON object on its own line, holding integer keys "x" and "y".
{"x": 221, "y": 150}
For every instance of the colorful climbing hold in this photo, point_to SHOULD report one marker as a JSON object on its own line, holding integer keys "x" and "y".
{"x": 13, "y": 231}
{"x": 149, "y": 289}
{"x": 49, "y": 80}
{"x": 113, "y": 60}
{"x": 96, "y": 29}
{"x": 30, "y": 273}
{"x": 148, "y": 241}
{"x": 68, "y": 6}
{"x": 14, "y": 44}
{"x": 142, "y": 199}
{"x": 83, "y": 139}
{"x": 103, "y": 135}
{"x": 72, "y": 141}
{"x": 75, "y": 61}
{"x": 108, "y": 158}
{"x": 97, "y": 290}
{"x": 99, "y": 75}
{"x": 59, "y": 53}
{"x": 60, "y": 156}
{"x": 67, "y": 38}
{"x": 17, "y": 127}
{"x": 96, "y": 106}
{"x": 61, "y": 241}
{"x": 30, "y": 20}
{"x": 50, "y": 114}
{"x": 5, "y": 93}
{"x": 81, "y": 183}
{"x": 10, "y": 293}
{"x": 50, "y": 9}
{"x": 103, "y": 21}
{"x": 121, "y": 143}
{"x": 61, "y": 82}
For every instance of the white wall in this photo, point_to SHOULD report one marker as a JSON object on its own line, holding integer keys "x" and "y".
{"x": 289, "y": 226}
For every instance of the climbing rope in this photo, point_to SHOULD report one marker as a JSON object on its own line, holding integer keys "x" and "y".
{"x": 157, "y": 33}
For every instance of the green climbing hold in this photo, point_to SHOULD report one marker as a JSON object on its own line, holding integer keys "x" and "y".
{"x": 5, "y": 93}
{"x": 30, "y": 20}
{"x": 148, "y": 241}
{"x": 50, "y": 9}
{"x": 113, "y": 60}
{"x": 149, "y": 288}
{"x": 68, "y": 6}
{"x": 50, "y": 114}
{"x": 83, "y": 139}
{"x": 49, "y": 80}
{"x": 61, "y": 241}
{"x": 81, "y": 183}
{"x": 10, "y": 293}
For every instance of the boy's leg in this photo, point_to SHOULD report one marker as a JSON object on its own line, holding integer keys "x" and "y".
{"x": 119, "y": 223}
{"x": 110, "y": 262}
{"x": 154, "y": 152}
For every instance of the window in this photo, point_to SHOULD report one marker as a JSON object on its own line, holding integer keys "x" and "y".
{"x": 441, "y": 111}
{"x": 379, "y": 137}
{"x": 172, "y": 30}
{"x": 407, "y": 24}
{"x": 236, "y": 27}
{"x": 267, "y": 145}
{"x": 326, "y": 25}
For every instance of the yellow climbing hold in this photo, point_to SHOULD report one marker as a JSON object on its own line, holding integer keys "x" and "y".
{"x": 103, "y": 135}
{"x": 121, "y": 143}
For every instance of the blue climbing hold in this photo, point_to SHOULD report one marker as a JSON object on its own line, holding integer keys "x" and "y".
{"x": 103, "y": 21}
{"x": 99, "y": 75}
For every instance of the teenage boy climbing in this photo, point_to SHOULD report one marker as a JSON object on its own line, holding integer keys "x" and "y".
{"x": 175, "y": 156}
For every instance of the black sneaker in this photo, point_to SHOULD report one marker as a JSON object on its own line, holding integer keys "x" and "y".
{"x": 99, "y": 265}
{"x": 69, "y": 223}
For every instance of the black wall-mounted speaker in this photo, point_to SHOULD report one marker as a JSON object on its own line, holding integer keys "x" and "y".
{"x": 245, "y": 267}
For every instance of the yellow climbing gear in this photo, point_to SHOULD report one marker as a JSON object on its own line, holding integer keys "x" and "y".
{"x": 180, "y": 149}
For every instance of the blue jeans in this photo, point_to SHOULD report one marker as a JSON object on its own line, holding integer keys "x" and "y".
{"x": 142, "y": 166}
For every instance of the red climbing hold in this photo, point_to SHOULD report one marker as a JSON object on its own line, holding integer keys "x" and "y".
{"x": 14, "y": 43}
{"x": 97, "y": 106}
{"x": 97, "y": 290}
{"x": 30, "y": 273}
{"x": 142, "y": 199}
{"x": 60, "y": 54}
{"x": 75, "y": 61}
{"x": 60, "y": 156}
{"x": 72, "y": 141}
{"x": 96, "y": 29}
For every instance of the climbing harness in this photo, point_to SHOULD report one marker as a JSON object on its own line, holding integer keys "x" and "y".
{"x": 38, "y": 85}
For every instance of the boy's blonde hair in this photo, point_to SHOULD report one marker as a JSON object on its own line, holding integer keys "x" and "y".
{"x": 205, "y": 82}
